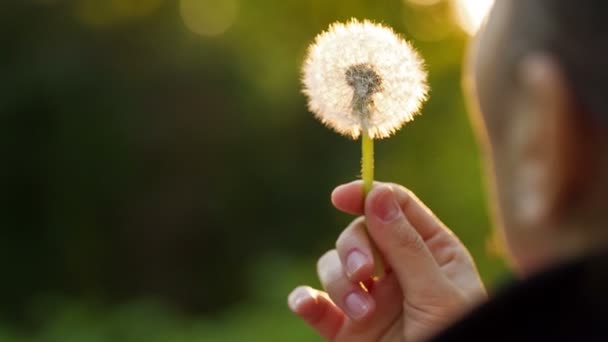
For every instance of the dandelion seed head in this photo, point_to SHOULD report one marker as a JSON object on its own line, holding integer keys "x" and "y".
{"x": 363, "y": 76}
{"x": 364, "y": 80}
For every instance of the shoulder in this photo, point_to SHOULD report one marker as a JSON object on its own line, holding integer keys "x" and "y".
{"x": 568, "y": 303}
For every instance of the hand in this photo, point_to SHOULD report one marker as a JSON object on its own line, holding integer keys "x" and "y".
{"x": 431, "y": 279}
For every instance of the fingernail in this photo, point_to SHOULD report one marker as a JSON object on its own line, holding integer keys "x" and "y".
{"x": 355, "y": 261}
{"x": 385, "y": 206}
{"x": 357, "y": 305}
{"x": 296, "y": 297}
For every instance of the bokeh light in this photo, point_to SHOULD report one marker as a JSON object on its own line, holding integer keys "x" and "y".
{"x": 471, "y": 14}
{"x": 209, "y": 17}
{"x": 428, "y": 20}
{"x": 424, "y": 2}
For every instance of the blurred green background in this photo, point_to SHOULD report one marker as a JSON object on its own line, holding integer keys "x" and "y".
{"x": 162, "y": 179}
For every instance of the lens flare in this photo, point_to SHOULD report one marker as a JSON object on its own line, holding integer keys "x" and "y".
{"x": 472, "y": 13}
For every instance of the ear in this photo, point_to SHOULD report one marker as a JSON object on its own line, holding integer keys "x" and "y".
{"x": 544, "y": 138}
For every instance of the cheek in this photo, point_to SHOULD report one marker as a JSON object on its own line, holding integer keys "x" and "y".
{"x": 488, "y": 68}
{"x": 490, "y": 109}
{"x": 506, "y": 185}
{"x": 504, "y": 192}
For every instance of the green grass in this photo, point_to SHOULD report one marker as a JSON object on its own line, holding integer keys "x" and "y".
{"x": 264, "y": 318}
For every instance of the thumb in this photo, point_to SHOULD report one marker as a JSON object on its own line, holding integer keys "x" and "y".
{"x": 401, "y": 245}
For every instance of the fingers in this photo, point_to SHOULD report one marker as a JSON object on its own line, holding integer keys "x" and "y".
{"x": 400, "y": 242}
{"x": 443, "y": 244}
{"x": 316, "y": 309}
{"x": 349, "y": 198}
{"x": 355, "y": 252}
{"x": 400, "y": 225}
{"x": 347, "y": 295}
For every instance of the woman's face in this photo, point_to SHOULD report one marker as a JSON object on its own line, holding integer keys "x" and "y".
{"x": 492, "y": 105}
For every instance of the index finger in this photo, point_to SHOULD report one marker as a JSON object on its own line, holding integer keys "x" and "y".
{"x": 349, "y": 198}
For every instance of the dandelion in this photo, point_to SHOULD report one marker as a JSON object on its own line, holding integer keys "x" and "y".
{"x": 363, "y": 80}
{"x": 361, "y": 76}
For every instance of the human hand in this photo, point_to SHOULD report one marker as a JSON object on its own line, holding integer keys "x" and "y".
{"x": 431, "y": 279}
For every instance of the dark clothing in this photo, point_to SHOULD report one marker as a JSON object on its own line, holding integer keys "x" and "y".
{"x": 568, "y": 303}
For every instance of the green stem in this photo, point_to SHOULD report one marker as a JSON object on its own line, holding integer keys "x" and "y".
{"x": 367, "y": 162}
{"x": 367, "y": 173}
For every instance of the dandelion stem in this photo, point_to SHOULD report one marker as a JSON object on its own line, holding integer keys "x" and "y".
{"x": 367, "y": 161}
{"x": 367, "y": 173}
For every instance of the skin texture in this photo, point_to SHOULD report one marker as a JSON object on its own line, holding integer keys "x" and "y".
{"x": 543, "y": 160}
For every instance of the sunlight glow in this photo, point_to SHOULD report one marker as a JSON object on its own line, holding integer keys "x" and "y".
{"x": 472, "y": 13}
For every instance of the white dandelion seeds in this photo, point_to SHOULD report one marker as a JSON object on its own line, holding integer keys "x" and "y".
{"x": 362, "y": 76}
